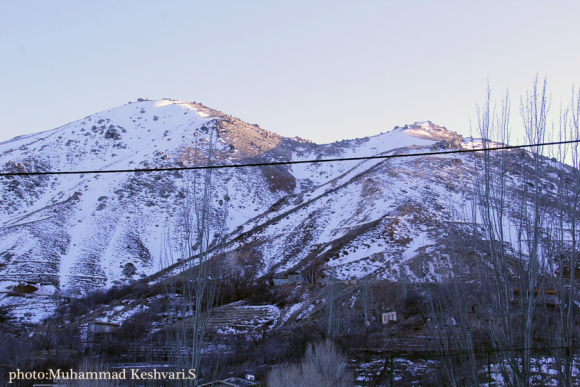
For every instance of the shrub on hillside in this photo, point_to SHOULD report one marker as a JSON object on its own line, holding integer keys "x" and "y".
{"x": 323, "y": 365}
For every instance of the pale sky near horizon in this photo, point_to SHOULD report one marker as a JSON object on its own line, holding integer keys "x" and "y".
{"x": 321, "y": 70}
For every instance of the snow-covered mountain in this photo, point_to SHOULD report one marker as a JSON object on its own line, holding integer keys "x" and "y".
{"x": 94, "y": 229}
{"x": 385, "y": 218}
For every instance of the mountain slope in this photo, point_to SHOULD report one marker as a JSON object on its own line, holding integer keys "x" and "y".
{"x": 383, "y": 218}
{"x": 69, "y": 230}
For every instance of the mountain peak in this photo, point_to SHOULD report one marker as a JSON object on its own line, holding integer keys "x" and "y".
{"x": 429, "y": 131}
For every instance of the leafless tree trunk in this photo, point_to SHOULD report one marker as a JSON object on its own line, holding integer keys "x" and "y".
{"x": 512, "y": 270}
{"x": 534, "y": 113}
{"x": 449, "y": 305}
{"x": 366, "y": 295}
{"x": 403, "y": 286}
{"x": 193, "y": 292}
{"x": 565, "y": 237}
{"x": 493, "y": 265}
{"x": 312, "y": 273}
{"x": 333, "y": 309}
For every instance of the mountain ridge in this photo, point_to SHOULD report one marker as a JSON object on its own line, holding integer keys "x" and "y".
{"x": 99, "y": 230}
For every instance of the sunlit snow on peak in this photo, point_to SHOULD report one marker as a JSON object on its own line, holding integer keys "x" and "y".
{"x": 184, "y": 105}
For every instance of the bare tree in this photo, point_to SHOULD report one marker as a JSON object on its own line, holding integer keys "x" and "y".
{"x": 512, "y": 268}
{"x": 333, "y": 304}
{"x": 491, "y": 213}
{"x": 403, "y": 285}
{"x": 565, "y": 241}
{"x": 313, "y": 273}
{"x": 194, "y": 291}
{"x": 366, "y": 295}
{"x": 449, "y": 307}
{"x": 524, "y": 238}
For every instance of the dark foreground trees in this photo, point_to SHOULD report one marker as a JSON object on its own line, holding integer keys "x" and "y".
{"x": 524, "y": 244}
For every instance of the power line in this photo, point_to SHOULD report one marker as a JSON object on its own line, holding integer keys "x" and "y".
{"x": 289, "y": 162}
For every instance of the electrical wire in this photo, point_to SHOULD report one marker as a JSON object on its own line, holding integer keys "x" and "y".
{"x": 223, "y": 166}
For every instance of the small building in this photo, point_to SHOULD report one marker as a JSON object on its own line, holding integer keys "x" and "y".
{"x": 389, "y": 316}
{"x": 100, "y": 331}
{"x": 280, "y": 281}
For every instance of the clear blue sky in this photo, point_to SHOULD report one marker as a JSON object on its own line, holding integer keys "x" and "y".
{"x": 322, "y": 70}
